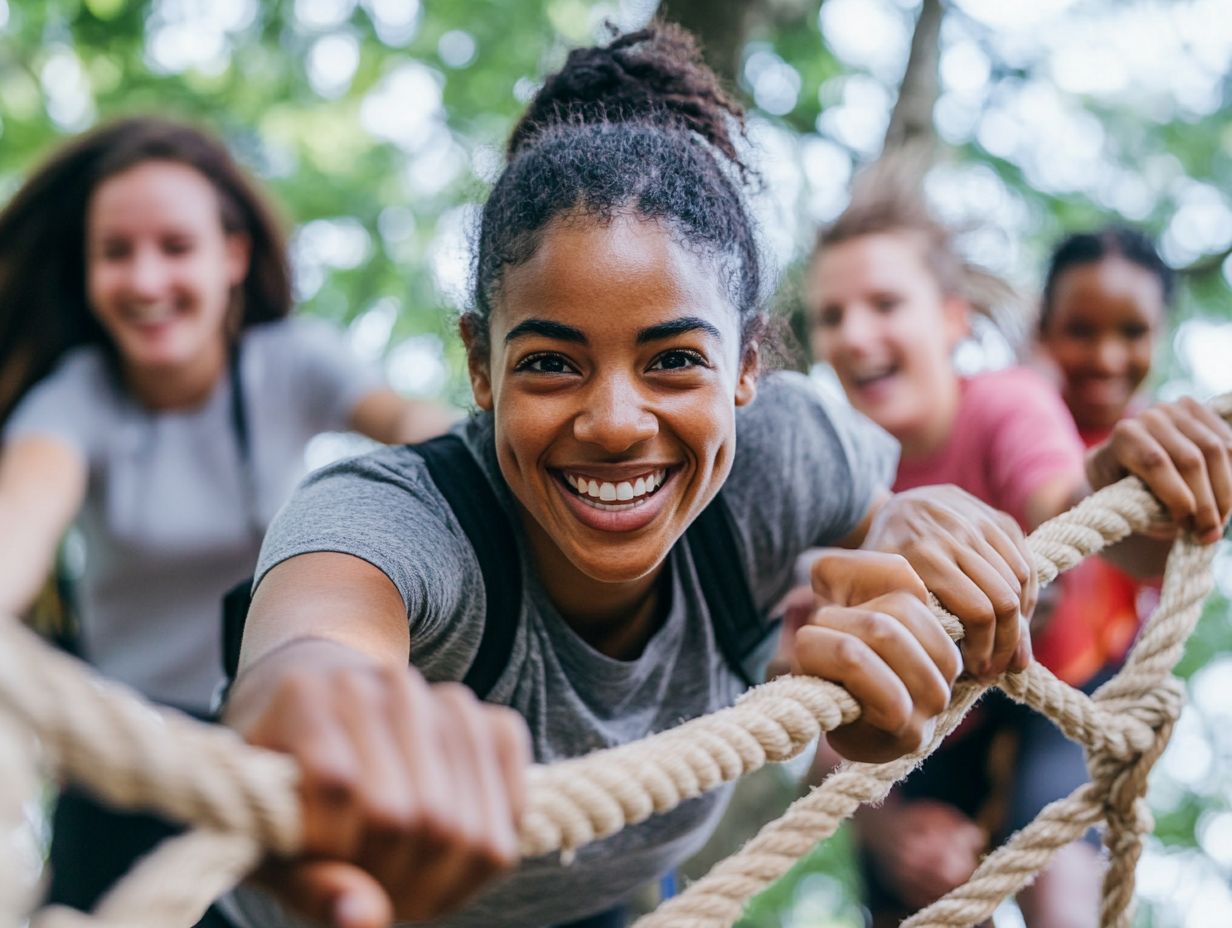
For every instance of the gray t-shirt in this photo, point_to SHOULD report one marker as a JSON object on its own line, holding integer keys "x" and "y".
{"x": 172, "y": 518}
{"x": 803, "y": 476}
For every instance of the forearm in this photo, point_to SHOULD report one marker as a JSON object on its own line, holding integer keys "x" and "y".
{"x": 25, "y": 563}
{"x": 390, "y": 418}
{"x": 42, "y": 485}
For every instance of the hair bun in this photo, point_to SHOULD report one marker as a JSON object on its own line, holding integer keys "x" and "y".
{"x": 653, "y": 75}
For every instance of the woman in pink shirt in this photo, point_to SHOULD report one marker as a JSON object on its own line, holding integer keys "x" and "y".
{"x": 889, "y": 299}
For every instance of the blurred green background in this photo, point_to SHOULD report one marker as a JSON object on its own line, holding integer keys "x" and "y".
{"x": 377, "y": 125}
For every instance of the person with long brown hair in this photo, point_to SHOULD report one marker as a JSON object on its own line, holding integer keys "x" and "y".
{"x": 156, "y": 393}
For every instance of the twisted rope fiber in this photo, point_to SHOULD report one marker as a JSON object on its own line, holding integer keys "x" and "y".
{"x": 137, "y": 757}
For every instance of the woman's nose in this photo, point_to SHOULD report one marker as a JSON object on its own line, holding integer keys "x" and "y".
{"x": 1110, "y": 356}
{"x": 147, "y": 273}
{"x": 615, "y": 417}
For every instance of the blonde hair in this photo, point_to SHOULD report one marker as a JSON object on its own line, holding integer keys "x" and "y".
{"x": 887, "y": 199}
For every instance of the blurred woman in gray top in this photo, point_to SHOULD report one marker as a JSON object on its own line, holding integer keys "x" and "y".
{"x": 154, "y": 392}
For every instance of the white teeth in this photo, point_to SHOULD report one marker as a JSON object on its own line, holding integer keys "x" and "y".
{"x": 624, "y": 491}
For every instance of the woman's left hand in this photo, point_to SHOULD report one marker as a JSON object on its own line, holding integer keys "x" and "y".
{"x": 975, "y": 560}
{"x": 1183, "y": 453}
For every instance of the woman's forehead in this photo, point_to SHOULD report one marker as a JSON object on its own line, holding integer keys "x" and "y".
{"x": 596, "y": 273}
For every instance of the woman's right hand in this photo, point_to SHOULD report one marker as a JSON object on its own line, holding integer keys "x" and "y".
{"x": 411, "y": 792}
{"x": 878, "y": 639}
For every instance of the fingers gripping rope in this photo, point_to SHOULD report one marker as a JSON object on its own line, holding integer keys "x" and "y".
{"x": 244, "y": 802}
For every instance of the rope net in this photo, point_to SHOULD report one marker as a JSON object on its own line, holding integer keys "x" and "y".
{"x": 59, "y": 719}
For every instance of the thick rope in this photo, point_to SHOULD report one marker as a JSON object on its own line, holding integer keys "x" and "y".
{"x": 137, "y": 757}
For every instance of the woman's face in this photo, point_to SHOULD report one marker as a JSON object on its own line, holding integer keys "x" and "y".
{"x": 614, "y": 373}
{"x": 159, "y": 265}
{"x": 1101, "y": 331}
{"x": 878, "y": 316}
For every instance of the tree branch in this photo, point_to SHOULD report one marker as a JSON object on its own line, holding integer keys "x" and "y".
{"x": 724, "y": 27}
{"x": 911, "y": 121}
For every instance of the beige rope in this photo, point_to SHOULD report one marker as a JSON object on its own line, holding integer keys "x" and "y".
{"x": 137, "y": 757}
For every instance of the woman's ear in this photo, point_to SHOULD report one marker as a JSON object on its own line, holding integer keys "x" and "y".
{"x": 957, "y": 313}
{"x": 750, "y": 370}
{"x": 239, "y": 256}
{"x": 477, "y": 363}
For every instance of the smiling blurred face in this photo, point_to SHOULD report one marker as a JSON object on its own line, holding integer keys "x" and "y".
{"x": 614, "y": 373}
{"x": 878, "y": 316}
{"x": 1100, "y": 331}
{"x": 160, "y": 267}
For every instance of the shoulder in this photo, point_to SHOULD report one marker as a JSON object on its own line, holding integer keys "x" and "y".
{"x": 84, "y": 367}
{"x": 1009, "y": 390}
{"x": 78, "y": 396}
{"x": 794, "y": 423}
{"x": 292, "y": 334}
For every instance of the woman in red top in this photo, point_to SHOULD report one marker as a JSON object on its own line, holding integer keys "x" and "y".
{"x": 889, "y": 298}
{"x": 1105, "y": 301}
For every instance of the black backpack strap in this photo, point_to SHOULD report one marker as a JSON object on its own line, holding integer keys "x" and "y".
{"x": 466, "y": 489}
{"x": 744, "y": 637}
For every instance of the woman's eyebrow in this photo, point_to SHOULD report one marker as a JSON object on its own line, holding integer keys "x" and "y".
{"x": 676, "y": 327}
{"x": 546, "y": 329}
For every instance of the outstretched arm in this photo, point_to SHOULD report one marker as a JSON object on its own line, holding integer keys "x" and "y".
{"x": 411, "y": 791}
{"x": 42, "y": 485}
{"x": 388, "y": 417}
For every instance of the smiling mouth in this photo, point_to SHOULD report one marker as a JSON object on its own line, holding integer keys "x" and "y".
{"x": 868, "y": 377}
{"x": 151, "y": 314}
{"x": 614, "y": 496}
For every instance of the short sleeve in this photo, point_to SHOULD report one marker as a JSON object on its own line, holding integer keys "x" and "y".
{"x": 382, "y": 507}
{"x": 805, "y": 473}
{"x": 330, "y": 378}
{"x": 70, "y": 404}
{"x": 1033, "y": 440}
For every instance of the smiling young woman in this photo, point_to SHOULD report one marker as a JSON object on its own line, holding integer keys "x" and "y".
{"x": 612, "y": 343}
{"x": 156, "y": 394}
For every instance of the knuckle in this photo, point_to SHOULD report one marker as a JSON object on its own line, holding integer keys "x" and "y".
{"x": 934, "y": 700}
{"x": 979, "y": 617}
{"x": 850, "y": 654}
{"x": 878, "y": 629}
{"x": 897, "y": 715}
{"x": 1005, "y": 605}
{"x": 434, "y": 832}
{"x": 329, "y": 781}
{"x": 387, "y": 819}
{"x": 1189, "y": 460}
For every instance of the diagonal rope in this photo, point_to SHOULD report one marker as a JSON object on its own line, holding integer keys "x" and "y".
{"x": 244, "y": 799}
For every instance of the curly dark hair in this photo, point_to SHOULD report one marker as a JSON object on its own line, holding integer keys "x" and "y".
{"x": 1090, "y": 247}
{"x": 639, "y": 125}
{"x": 44, "y": 309}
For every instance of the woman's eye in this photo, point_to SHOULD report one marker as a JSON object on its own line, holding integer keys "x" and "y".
{"x": 678, "y": 359}
{"x": 177, "y": 246}
{"x": 887, "y": 304}
{"x": 828, "y": 318}
{"x": 114, "y": 251}
{"x": 1079, "y": 330}
{"x": 1135, "y": 332}
{"x": 544, "y": 364}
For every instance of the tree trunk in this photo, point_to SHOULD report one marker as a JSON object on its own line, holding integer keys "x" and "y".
{"x": 723, "y": 27}
{"x": 911, "y": 122}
